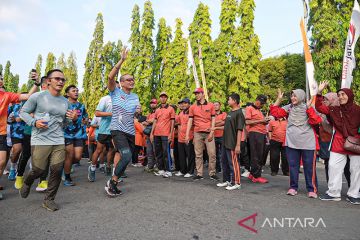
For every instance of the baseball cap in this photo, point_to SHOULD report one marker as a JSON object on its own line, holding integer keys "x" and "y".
{"x": 184, "y": 100}
{"x": 199, "y": 90}
{"x": 163, "y": 94}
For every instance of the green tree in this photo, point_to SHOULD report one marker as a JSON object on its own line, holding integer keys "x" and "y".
{"x": 1, "y": 70}
{"x": 219, "y": 73}
{"x": 163, "y": 38}
{"x": 70, "y": 70}
{"x": 50, "y": 62}
{"x": 175, "y": 80}
{"x": 24, "y": 88}
{"x": 7, "y": 77}
{"x": 200, "y": 35}
{"x": 93, "y": 82}
{"x": 132, "y": 63}
{"x": 245, "y": 51}
{"x": 329, "y": 22}
{"x": 294, "y": 71}
{"x": 14, "y": 83}
{"x": 61, "y": 64}
{"x": 111, "y": 55}
{"x": 146, "y": 55}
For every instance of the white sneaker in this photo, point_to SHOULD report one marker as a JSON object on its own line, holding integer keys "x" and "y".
{"x": 167, "y": 174}
{"x": 160, "y": 173}
{"x": 223, "y": 184}
{"x": 179, "y": 174}
{"x": 245, "y": 174}
{"x": 188, "y": 175}
{"x": 233, "y": 187}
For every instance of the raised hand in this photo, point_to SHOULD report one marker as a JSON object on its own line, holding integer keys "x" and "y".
{"x": 124, "y": 53}
{"x": 322, "y": 86}
{"x": 280, "y": 94}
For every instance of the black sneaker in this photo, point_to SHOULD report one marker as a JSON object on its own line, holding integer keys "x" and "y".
{"x": 111, "y": 188}
{"x": 327, "y": 197}
{"x": 273, "y": 173}
{"x": 24, "y": 191}
{"x": 50, "y": 205}
{"x": 352, "y": 200}
{"x": 214, "y": 177}
{"x": 197, "y": 177}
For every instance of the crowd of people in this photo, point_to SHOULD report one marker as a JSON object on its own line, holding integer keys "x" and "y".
{"x": 176, "y": 140}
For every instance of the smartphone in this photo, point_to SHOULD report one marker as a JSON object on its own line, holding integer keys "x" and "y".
{"x": 33, "y": 71}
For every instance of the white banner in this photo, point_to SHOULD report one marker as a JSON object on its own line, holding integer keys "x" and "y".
{"x": 349, "y": 61}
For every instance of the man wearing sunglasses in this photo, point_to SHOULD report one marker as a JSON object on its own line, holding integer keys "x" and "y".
{"x": 50, "y": 115}
{"x": 124, "y": 104}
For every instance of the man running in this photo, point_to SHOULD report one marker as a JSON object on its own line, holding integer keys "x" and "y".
{"x": 75, "y": 134}
{"x": 50, "y": 114}
{"x": 6, "y": 98}
{"x": 124, "y": 104}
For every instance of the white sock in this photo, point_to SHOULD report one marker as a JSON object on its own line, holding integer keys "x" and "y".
{"x": 12, "y": 166}
{"x": 102, "y": 165}
{"x": 93, "y": 167}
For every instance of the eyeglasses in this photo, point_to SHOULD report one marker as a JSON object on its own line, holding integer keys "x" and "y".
{"x": 130, "y": 80}
{"x": 58, "y": 79}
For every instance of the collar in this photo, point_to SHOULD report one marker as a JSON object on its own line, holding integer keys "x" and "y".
{"x": 219, "y": 113}
{"x": 199, "y": 104}
{"x": 166, "y": 106}
{"x": 186, "y": 111}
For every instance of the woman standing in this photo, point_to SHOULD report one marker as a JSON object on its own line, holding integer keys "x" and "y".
{"x": 346, "y": 121}
{"x": 300, "y": 141}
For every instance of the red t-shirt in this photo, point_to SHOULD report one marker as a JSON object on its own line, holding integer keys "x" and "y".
{"x": 163, "y": 116}
{"x": 5, "y": 99}
{"x": 255, "y": 114}
{"x": 219, "y": 118}
{"x": 278, "y": 130}
{"x": 183, "y": 122}
{"x": 202, "y": 114}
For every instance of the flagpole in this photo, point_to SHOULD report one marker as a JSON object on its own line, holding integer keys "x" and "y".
{"x": 190, "y": 54}
{"x": 305, "y": 25}
{"x": 203, "y": 74}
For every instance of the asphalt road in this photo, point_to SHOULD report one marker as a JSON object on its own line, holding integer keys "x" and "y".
{"x": 177, "y": 208}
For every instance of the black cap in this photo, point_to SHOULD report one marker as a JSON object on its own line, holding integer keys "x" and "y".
{"x": 185, "y": 100}
{"x": 262, "y": 98}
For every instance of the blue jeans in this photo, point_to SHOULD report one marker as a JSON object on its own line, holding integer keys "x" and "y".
{"x": 308, "y": 158}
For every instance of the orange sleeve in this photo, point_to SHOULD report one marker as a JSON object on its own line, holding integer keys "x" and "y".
{"x": 248, "y": 113}
{"x": 191, "y": 111}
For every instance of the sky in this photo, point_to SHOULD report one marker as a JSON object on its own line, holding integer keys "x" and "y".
{"x": 32, "y": 27}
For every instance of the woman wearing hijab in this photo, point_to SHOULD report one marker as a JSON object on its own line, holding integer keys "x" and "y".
{"x": 346, "y": 121}
{"x": 300, "y": 141}
{"x": 325, "y": 131}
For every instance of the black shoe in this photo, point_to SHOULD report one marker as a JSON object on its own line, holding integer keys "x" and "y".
{"x": 273, "y": 173}
{"x": 286, "y": 174}
{"x": 111, "y": 188}
{"x": 214, "y": 177}
{"x": 197, "y": 177}
{"x": 355, "y": 201}
{"x": 24, "y": 191}
{"x": 123, "y": 175}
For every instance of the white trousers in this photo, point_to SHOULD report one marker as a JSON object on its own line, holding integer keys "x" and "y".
{"x": 337, "y": 164}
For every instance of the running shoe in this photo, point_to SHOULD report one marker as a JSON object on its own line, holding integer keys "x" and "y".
{"x": 19, "y": 181}
{"x": 42, "y": 186}
{"x": 12, "y": 175}
{"x": 50, "y": 205}
{"x": 91, "y": 174}
{"x": 233, "y": 187}
{"x": 327, "y": 197}
{"x": 224, "y": 184}
{"x": 111, "y": 188}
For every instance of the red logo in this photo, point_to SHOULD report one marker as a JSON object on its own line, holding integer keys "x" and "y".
{"x": 250, "y": 228}
{"x": 352, "y": 30}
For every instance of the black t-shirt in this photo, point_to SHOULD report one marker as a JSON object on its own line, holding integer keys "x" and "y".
{"x": 234, "y": 121}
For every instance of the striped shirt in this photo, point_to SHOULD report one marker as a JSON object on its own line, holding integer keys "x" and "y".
{"x": 123, "y": 109}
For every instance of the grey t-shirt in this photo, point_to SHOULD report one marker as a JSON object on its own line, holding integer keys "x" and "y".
{"x": 56, "y": 106}
{"x": 299, "y": 137}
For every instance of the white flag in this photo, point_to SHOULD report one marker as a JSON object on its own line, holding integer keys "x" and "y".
{"x": 349, "y": 62}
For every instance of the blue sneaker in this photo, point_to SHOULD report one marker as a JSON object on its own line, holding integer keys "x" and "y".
{"x": 327, "y": 197}
{"x": 12, "y": 175}
{"x": 91, "y": 175}
{"x": 69, "y": 183}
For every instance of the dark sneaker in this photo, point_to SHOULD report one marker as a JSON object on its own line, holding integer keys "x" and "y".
{"x": 352, "y": 200}
{"x": 286, "y": 174}
{"x": 327, "y": 197}
{"x": 123, "y": 175}
{"x": 273, "y": 173}
{"x": 69, "y": 183}
{"x": 197, "y": 177}
{"x": 111, "y": 188}
{"x": 50, "y": 205}
{"x": 102, "y": 169}
{"x": 214, "y": 177}
{"x": 24, "y": 191}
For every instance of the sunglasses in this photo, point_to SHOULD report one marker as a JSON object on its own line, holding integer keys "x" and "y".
{"x": 58, "y": 79}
